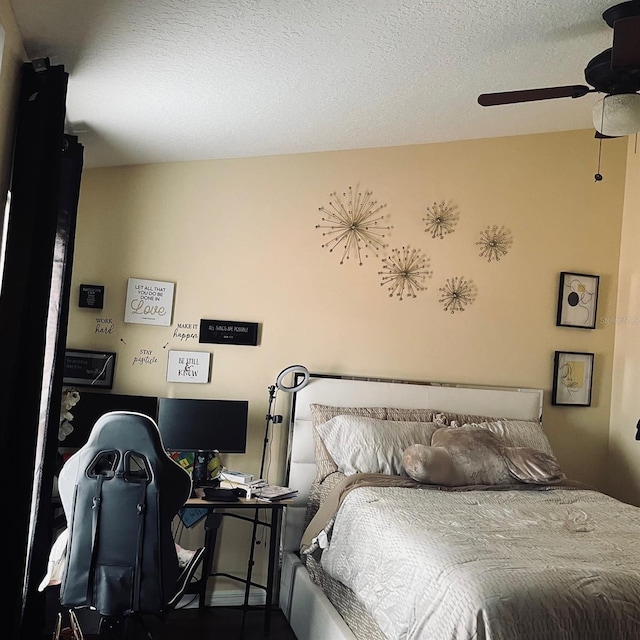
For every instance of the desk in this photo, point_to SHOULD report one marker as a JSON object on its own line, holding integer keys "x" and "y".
{"x": 217, "y": 510}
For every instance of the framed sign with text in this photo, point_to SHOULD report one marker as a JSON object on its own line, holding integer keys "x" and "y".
{"x": 149, "y": 302}
{"x": 229, "y": 332}
{"x": 83, "y": 368}
{"x": 91, "y": 296}
{"x": 188, "y": 366}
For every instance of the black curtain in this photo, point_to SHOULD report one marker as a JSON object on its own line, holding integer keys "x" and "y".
{"x": 34, "y": 300}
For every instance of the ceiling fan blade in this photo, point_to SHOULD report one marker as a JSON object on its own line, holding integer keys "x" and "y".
{"x": 626, "y": 43}
{"x": 530, "y": 95}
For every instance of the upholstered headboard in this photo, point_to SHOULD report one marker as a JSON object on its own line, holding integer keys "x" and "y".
{"x": 343, "y": 391}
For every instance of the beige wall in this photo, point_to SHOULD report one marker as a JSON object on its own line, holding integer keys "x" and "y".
{"x": 238, "y": 238}
{"x": 624, "y": 461}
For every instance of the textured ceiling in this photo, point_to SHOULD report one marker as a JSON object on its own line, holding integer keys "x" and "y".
{"x": 171, "y": 80}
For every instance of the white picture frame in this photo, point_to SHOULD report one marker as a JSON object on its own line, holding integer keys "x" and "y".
{"x": 149, "y": 302}
{"x": 192, "y": 367}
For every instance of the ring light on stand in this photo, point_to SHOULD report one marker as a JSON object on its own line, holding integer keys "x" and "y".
{"x": 294, "y": 368}
{"x": 275, "y": 419}
{"x": 273, "y": 389}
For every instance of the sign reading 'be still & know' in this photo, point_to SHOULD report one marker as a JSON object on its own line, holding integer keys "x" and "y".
{"x": 229, "y": 332}
{"x": 188, "y": 366}
{"x": 149, "y": 302}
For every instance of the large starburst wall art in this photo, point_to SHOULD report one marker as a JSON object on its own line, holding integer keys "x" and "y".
{"x": 457, "y": 294}
{"x": 494, "y": 242}
{"x": 404, "y": 272}
{"x": 441, "y": 219}
{"x": 353, "y": 222}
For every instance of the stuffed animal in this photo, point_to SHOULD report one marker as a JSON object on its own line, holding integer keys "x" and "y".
{"x": 460, "y": 456}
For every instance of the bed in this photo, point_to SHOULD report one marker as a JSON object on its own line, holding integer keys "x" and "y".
{"x": 369, "y": 553}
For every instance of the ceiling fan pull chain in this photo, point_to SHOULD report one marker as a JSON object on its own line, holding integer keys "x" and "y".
{"x": 598, "y": 176}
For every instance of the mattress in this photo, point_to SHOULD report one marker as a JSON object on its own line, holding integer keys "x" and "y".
{"x": 526, "y": 562}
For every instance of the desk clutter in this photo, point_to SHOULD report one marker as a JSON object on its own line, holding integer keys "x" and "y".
{"x": 231, "y": 486}
{"x": 258, "y": 489}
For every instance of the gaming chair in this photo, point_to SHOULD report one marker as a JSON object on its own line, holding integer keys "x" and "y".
{"x": 120, "y": 493}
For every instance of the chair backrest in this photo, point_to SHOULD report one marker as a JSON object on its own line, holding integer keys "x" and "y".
{"x": 120, "y": 493}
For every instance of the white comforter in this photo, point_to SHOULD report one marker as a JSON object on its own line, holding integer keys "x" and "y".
{"x": 561, "y": 564}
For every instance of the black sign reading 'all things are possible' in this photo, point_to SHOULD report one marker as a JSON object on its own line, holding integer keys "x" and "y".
{"x": 228, "y": 332}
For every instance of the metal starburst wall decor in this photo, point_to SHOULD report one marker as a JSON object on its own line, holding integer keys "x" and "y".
{"x": 494, "y": 243}
{"x": 353, "y": 222}
{"x": 441, "y": 219}
{"x": 457, "y": 294}
{"x": 404, "y": 272}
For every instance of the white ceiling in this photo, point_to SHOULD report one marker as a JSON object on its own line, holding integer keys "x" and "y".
{"x": 172, "y": 80}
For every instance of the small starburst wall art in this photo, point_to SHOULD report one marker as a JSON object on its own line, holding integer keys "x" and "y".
{"x": 494, "y": 242}
{"x": 353, "y": 222}
{"x": 441, "y": 219}
{"x": 457, "y": 294}
{"x": 404, "y": 272}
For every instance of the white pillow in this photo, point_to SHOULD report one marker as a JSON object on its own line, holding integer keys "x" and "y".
{"x": 369, "y": 445}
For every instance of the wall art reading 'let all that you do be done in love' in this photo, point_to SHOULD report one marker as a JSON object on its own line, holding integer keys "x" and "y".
{"x": 149, "y": 302}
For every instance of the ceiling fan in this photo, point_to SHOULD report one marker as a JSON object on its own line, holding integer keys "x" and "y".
{"x": 614, "y": 72}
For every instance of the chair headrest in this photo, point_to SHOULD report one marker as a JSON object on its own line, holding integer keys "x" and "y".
{"x": 123, "y": 432}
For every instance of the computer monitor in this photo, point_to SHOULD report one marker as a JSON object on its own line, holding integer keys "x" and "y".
{"x": 188, "y": 424}
{"x": 202, "y": 426}
{"x": 93, "y": 404}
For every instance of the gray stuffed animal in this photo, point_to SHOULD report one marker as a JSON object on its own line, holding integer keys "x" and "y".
{"x": 460, "y": 456}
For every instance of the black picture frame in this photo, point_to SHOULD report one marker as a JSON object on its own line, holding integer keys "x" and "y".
{"x": 87, "y": 368}
{"x": 91, "y": 296}
{"x": 228, "y": 332}
{"x": 577, "y": 300}
{"x": 572, "y": 378}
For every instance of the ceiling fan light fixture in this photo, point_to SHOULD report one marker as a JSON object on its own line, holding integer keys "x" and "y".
{"x": 617, "y": 114}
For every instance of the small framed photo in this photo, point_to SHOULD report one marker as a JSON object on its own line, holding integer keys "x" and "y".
{"x": 577, "y": 300}
{"x": 572, "y": 378}
{"x": 84, "y": 368}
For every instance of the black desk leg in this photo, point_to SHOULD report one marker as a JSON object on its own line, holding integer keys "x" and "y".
{"x": 211, "y": 526}
{"x": 273, "y": 559}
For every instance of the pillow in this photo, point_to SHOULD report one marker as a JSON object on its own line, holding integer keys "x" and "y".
{"x": 517, "y": 433}
{"x": 460, "y": 456}
{"x": 321, "y": 413}
{"x": 359, "y": 444}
